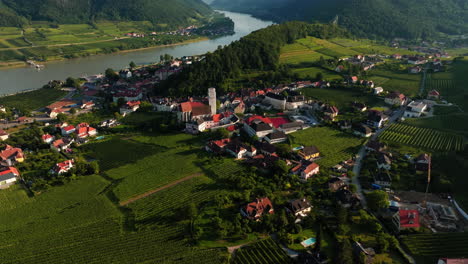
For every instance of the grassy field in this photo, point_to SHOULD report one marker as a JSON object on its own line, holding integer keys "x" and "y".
{"x": 423, "y": 137}
{"x": 335, "y": 146}
{"x": 32, "y": 100}
{"x": 406, "y": 83}
{"x": 263, "y": 252}
{"x": 342, "y": 98}
{"x": 311, "y": 72}
{"x": 428, "y": 248}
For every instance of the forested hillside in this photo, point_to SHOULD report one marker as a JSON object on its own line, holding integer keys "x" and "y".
{"x": 370, "y": 18}
{"x": 174, "y": 12}
{"x": 257, "y": 51}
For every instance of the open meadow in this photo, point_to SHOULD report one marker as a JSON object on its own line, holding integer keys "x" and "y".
{"x": 335, "y": 146}
{"x": 342, "y": 98}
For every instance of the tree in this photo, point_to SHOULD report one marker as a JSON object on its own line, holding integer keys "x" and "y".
{"x": 353, "y": 188}
{"x": 319, "y": 76}
{"x": 132, "y": 65}
{"x": 111, "y": 75}
{"x": 93, "y": 168}
{"x": 377, "y": 200}
{"x": 72, "y": 82}
{"x": 73, "y": 111}
{"x": 281, "y": 167}
{"x": 345, "y": 255}
{"x": 62, "y": 117}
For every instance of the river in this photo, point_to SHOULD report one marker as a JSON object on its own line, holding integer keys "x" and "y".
{"x": 21, "y": 79}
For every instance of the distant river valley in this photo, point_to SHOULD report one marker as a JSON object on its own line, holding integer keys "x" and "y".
{"x": 21, "y": 79}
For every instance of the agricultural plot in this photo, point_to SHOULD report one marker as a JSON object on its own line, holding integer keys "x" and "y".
{"x": 312, "y": 72}
{"x": 454, "y": 123}
{"x": 161, "y": 208}
{"x": 334, "y": 145}
{"x": 341, "y": 98}
{"x": 427, "y": 248}
{"x": 408, "y": 84}
{"x": 423, "y": 137}
{"x": 444, "y": 86}
{"x": 32, "y": 100}
{"x": 263, "y": 252}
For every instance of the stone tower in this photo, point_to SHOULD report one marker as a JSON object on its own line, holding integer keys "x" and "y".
{"x": 212, "y": 100}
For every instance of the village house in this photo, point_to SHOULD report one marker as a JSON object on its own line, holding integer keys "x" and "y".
{"x": 306, "y": 169}
{"x": 415, "y": 109}
{"x": 300, "y": 208}
{"x": 265, "y": 148}
{"x": 376, "y": 119}
{"x": 362, "y": 130}
{"x": 409, "y": 219}
{"x": 417, "y": 60}
{"x": 346, "y": 198}
{"x": 423, "y": 162}
{"x": 433, "y": 95}
{"x": 255, "y": 210}
{"x": 63, "y": 167}
{"x": 10, "y": 156}
{"x": 258, "y": 126}
{"x": 83, "y": 130}
{"x": 335, "y": 184}
{"x": 291, "y": 127}
{"x": 47, "y": 138}
{"x": 54, "y": 113}
{"x": 239, "y": 150}
{"x": 217, "y": 146}
{"x": 415, "y": 70}
{"x": 384, "y": 161}
{"x": 309, "y": 152}
{"x": 8, "y": 177}
{"x": 62, "y": 144}
{"x": 126, "y": 74}
{"x": 395, "y": 98}
{"x": 129, "y": 107}
{"x": 383, "y": 179}
{"x": 276, "y": 137}
{"x": 332, "y": 112}
{"x": 132, "y": 94}
{"x": 277, "y": 101}
{"x": 68, "y": 130}
{"x": 87, "y": 105}
{"x": 378, "y": 90}
{"x": 376, "y": 146}
{"x": 4, "y": 135}
{"x": 361, "y": 107}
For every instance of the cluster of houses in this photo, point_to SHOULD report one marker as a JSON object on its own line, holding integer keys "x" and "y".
{"x": 366, "y": 62}
{"x": 9, "y": 157}
{"x": 82, "y": 132}
{"x": 255, "y": 210}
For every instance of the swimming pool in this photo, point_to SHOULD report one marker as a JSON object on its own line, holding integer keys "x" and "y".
{"x": 309, "y": 242}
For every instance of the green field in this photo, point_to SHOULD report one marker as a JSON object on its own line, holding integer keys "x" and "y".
{"x": 262, "y": 252}
{"x": 43, "y": 41}
{"x": 342, "y": 98}
{"x": 335, "y": 146}
{"x": 423, "y": 137}
{"x": 454, "y": 123}
{"x": 428, "y": 248}
{"x": 405, "y": 83}
{"x": 32, "y": 100}
{"x": 311, "y": 72}
{"x": 144, "y": 163}
{"x": 77, "y": 223}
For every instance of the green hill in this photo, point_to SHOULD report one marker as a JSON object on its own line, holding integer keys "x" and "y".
{"x": 376, "y": 18}
{"x": 177, "y": 12}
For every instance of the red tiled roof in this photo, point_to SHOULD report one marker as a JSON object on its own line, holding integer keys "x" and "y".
{"x": 10, "y": 152}
{"x": 10, "y": 170}
{"x": 82, "y": 125}
{"x": 68, "y": 128}
{"x": 434, "y": 93}
{"x": 218, "y": 117}
{"x": 61, "y": 104}
{"x": 257, "y": 117}
{"x": 231, "y": 128}
{"x": 3, "y": 132}
{"x": 46, "y": 137}
{"x": 278, "y": 121}
{"x": 311, "y": 167}
{"x": 409, "y": 218}
{"x": 64, "y": 166}
{"x": 259, "y": 206}
{"x": 133, "y": 103}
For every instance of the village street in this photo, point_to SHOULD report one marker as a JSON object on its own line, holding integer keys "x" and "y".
{"x": 362, "y": 154}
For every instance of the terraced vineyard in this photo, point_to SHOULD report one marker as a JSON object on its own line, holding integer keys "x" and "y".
{"x": 263, "y": 252}
{"x": 423, "y": 137}
{"x": 427, "y": 248}
{"x": 445, "y": 86}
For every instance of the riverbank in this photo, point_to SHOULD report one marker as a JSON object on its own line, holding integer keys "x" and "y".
{"x": 22, "y": 64}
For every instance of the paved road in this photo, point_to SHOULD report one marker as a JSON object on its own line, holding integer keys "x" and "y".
{"x": 362, "y": 154}
{"x": 423, "y": 82}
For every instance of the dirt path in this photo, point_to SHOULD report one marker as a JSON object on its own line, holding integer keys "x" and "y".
{"x": 146, "y": 194}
